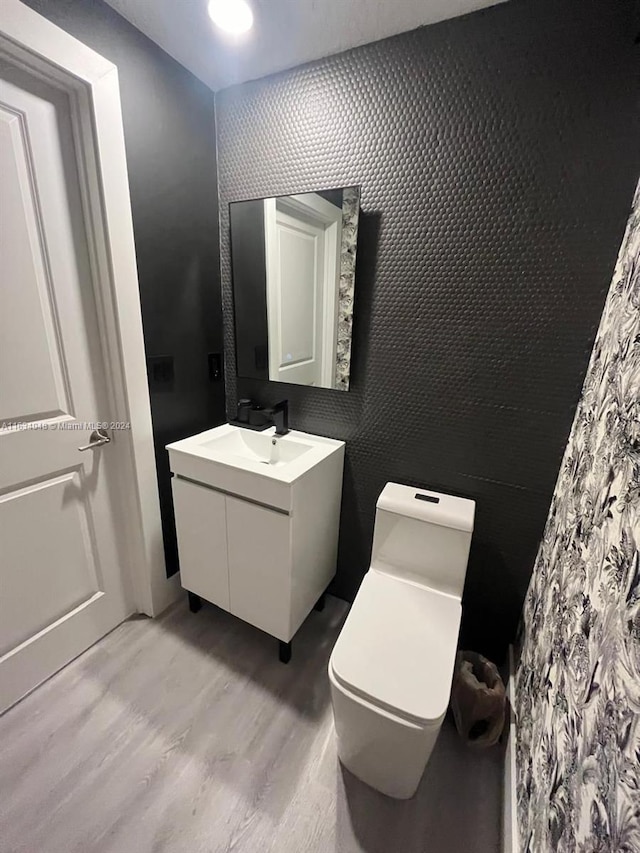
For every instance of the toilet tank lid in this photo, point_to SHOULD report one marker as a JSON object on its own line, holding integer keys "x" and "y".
{"x": 424, "y": 505}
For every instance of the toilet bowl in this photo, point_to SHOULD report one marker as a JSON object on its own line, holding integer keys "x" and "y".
{"x": 391, "y": 668}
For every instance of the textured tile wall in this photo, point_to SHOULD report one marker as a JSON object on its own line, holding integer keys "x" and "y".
{"x": 497, "y": 154}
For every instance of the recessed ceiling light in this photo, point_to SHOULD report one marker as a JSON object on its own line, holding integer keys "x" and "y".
{"x": 232, "y": 16}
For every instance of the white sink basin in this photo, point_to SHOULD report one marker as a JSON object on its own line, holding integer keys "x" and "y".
{"x": 249, "y": 464}
{"x": 258, "y": 447}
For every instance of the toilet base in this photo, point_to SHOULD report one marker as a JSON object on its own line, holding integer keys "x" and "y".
{"x": 384, "y": 751}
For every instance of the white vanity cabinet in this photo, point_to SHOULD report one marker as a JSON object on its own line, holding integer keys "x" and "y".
{"x": 261, "y": 544}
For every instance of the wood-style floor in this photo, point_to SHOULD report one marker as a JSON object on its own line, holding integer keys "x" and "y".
{"x": 186, "y": 735}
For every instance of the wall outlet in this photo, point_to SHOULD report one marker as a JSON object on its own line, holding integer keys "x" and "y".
{"x": 160, "y": 372}
{"x": 215, "y": 366}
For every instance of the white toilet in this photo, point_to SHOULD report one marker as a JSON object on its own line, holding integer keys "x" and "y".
{"x": 392, "y": 665}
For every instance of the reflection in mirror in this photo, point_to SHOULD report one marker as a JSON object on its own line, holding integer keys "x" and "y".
{"x": 293, "y": 262}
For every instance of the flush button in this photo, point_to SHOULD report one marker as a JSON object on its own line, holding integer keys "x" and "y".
{"x": 429, "y": 498}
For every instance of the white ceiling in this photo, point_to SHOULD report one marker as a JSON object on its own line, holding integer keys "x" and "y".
{"x": 285, "y": 32}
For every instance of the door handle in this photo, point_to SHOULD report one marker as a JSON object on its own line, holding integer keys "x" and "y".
{"x": 97, "y": 438}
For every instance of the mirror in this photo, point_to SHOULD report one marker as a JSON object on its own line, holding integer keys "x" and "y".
{"x": 293, "y": 261}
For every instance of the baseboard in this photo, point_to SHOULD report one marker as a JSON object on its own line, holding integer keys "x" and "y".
{"x": 510, "y": 841}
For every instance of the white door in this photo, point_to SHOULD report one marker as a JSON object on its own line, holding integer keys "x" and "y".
{"x": 62, "y": 584}
{"x": 295, "y": 279}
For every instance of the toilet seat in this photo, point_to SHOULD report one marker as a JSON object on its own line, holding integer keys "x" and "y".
{"x": 397, "y": 648}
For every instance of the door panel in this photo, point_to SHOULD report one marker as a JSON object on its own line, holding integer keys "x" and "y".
{"x": 259, "y": 566}
{"x": 202, "y": 540}
{"x": 63, "y": 539}
{"x": 298, "y": 254}
{"x": 31, "y": 381}
{"x": 63, "y": 583}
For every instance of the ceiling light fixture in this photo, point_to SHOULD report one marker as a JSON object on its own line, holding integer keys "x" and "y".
{"x": 232, "y": 16}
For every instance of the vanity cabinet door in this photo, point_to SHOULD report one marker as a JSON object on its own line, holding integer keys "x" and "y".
{"x": 259, "y": 566}
{"x": 202, "y": 540}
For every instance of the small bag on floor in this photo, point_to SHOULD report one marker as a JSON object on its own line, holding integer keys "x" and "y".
{"x": 478, "y": 699}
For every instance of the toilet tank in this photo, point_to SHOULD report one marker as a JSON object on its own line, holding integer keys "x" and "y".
{"x": 423, "y": 536}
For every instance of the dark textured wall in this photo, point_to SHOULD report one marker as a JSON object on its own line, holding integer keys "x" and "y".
{"x": 170, "y": 140}
{"x": 497, "y": 155}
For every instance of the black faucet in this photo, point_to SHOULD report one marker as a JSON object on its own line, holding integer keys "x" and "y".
{"x": 279, "y": 415}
